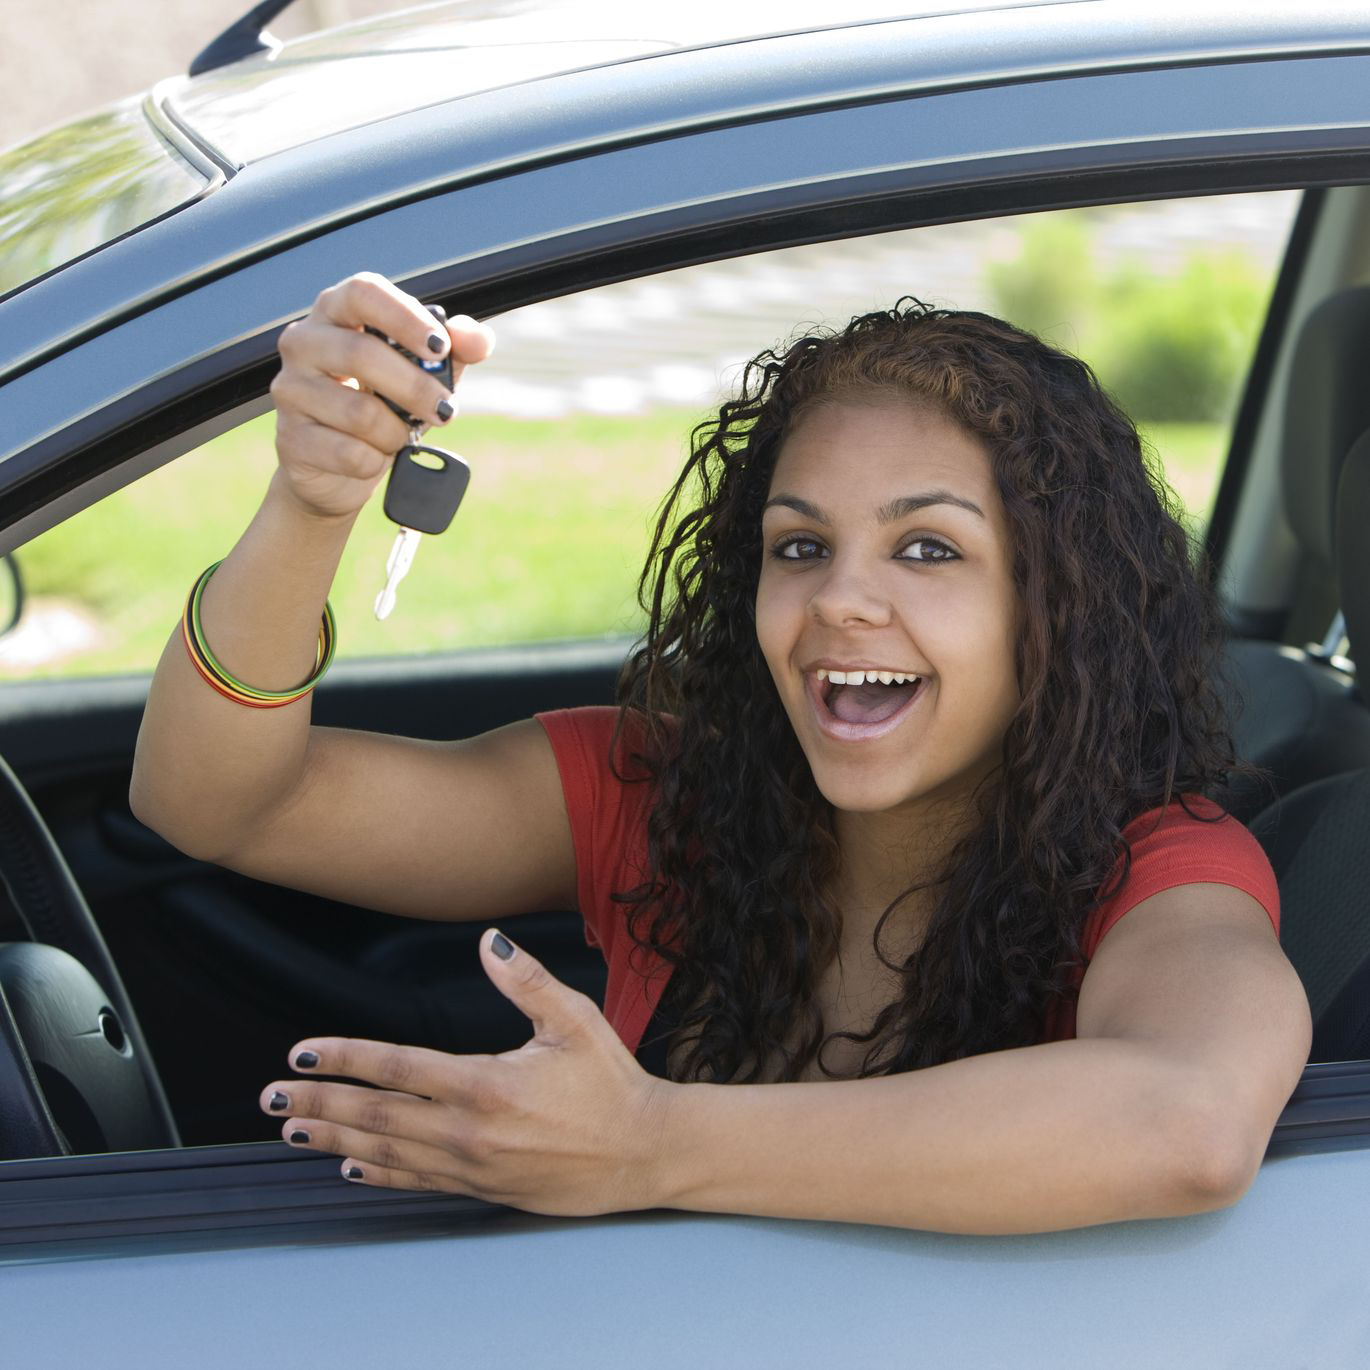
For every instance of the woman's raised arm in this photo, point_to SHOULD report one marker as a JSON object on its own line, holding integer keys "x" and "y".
{"x": 381, "y": 821}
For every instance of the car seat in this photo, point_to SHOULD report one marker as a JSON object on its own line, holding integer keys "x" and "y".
{"x": 1301, "y": 717}
{"x": 1318, "y": 836}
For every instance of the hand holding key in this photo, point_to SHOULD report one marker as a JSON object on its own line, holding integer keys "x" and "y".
{"x": 426, "y": 483}
{"x": 335, "y": 437}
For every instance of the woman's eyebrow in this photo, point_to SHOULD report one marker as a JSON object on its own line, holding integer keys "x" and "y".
{"x": 887, "y": 513}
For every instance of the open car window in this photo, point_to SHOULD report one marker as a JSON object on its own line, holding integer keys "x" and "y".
{"x": 574, "y": 431}
{"x": 577, "y": 426}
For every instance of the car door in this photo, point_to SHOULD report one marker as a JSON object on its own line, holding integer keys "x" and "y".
{"x": 1276, "y": 1280}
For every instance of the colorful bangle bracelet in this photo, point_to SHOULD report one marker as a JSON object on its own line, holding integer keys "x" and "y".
{"x": 214, "y": 674}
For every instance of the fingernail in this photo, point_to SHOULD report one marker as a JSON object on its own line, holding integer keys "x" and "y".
{"x": 306, "y": 1060}
{"x": 278, "y": 1102}
{"x": 444, "y": 410}
{"x": 299, "y": 1135}
{"x": 501, "y": 946}
{"x": 437, "y": 343}
{"x": 353, "y": 1172}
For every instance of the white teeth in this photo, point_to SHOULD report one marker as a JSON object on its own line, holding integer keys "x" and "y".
{"x": 865, "y": 677}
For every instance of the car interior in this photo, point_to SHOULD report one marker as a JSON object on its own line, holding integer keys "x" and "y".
{"x": 227, "y": 972}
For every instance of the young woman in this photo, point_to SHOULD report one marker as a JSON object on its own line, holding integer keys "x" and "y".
{"x": 898, "y": 849}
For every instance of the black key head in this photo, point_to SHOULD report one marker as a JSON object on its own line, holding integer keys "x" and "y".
{"x": 425, "y": 487}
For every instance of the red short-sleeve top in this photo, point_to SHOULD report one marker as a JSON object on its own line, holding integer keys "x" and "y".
{"x": 609, "y": 828}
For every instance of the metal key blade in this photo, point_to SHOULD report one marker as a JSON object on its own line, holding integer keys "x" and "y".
{"x": 397, "y": 566}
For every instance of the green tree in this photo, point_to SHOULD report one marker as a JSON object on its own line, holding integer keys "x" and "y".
{"x": 1175, "y": 349}
{"x": 1050, "y": 288}
{"x": 1171, "y": 348}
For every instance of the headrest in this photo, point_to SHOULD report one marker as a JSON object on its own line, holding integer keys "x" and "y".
{"x": 1328, "y": 409}
{"x": 1353, "y": 554}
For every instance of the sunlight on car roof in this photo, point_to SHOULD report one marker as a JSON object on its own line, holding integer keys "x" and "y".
{"x": 316, "y": 85}
{"x": 79, "y": 186}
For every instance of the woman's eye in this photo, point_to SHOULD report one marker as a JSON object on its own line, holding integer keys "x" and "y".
{"x": 940, "y": 550}
{"x": 810, "y": 549}
{"x": 798, "y": 549}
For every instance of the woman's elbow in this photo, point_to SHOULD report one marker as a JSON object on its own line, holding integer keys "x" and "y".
{"x": 1216, "y": 1163}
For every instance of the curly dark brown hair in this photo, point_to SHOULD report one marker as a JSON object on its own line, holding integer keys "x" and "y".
{"x": 1115, "y": 663}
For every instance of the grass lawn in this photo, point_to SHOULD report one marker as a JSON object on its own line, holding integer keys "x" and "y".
{"x": 548, "y": 543}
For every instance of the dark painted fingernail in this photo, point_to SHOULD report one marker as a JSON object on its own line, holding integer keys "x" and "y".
{"x": 437, "y": 343}
{"x": 279, "y": 1101}
{"x": 353, "y": 1172}
{"x": 299, "y": 1135}
{"x": 444, "y": 410}
{"x": 306, "y": 1060}
{"x": 501, "y": 946}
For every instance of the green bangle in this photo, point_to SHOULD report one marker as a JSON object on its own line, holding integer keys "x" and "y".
{"x": 227, "y": 684}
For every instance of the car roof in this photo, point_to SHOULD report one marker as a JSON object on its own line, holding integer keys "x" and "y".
{"x": 342, "y": 78}
{"x": 87, "y": 183}
{"x": 237, "y": 200}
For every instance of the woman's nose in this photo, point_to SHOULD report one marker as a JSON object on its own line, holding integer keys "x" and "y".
{"x": 846, "y": 595}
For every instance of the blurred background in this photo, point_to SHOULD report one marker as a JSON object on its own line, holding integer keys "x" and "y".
{"x": 578, "y": 426}
{"x": 62, "y": 60}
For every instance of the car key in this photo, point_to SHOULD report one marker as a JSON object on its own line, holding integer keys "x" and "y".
{"x": 419, "y": 496}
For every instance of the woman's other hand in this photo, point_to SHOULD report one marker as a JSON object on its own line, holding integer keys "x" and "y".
{"x": 568, "y": 1124}
{"x": 335, "y": 438}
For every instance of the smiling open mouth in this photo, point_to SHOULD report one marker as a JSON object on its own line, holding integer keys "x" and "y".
{"x": 867, "y": 703}
{"x": 869, "y": 708}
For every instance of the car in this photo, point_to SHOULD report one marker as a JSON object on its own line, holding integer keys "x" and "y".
{"x": 520, "y": 165}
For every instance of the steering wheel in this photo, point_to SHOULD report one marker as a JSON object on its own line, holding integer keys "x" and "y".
{"x": 76, "y": 1076}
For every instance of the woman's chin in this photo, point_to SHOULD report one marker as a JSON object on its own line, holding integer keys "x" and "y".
{"x": 865, "y": 793}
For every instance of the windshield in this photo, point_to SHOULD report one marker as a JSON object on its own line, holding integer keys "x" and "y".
{"x": 80, "y": 186}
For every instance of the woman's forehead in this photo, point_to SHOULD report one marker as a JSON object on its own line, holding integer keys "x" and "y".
{"x": 848, "y": 445}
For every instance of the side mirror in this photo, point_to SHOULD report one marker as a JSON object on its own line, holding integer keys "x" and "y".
{"x": 11, "y": 593}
